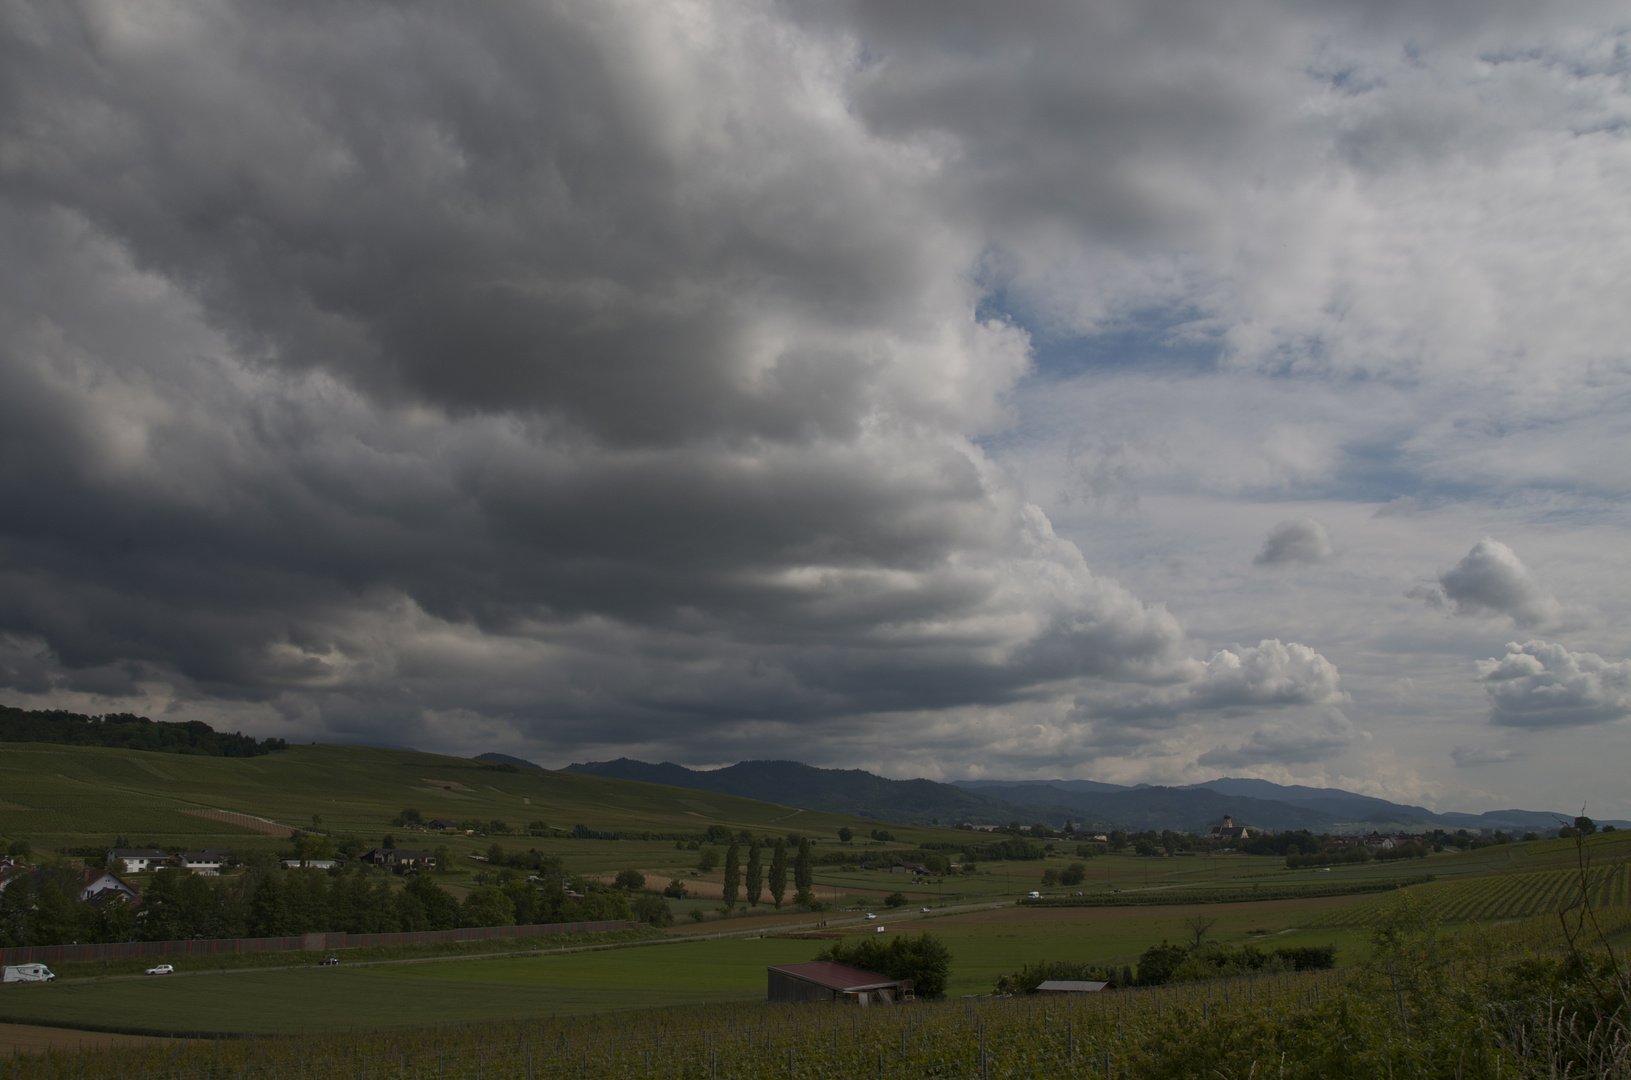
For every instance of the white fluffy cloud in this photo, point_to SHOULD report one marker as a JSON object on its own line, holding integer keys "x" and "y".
{"x": 1543, "y": 685}
{"x": 1242, "y": 680}
{"x": 1491, "y": 579}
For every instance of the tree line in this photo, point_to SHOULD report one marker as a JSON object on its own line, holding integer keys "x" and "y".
{"x": 177, "y": 905}
{"x": 129, "y": 732}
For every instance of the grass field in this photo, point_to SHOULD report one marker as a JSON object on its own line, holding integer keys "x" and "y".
{"x": 984, "y": 944}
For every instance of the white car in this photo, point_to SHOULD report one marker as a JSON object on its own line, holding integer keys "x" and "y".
{"x": 924, "y": 910}
{"x": 1033, "y": 895}
{"x": 162, "y": 969}
{"x": 870, "y": 915}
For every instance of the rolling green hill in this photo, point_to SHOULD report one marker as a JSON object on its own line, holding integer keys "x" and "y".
{"x": 60, "y": 797}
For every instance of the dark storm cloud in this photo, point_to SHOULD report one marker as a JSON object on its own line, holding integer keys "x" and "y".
{"x": 586, "y": 372}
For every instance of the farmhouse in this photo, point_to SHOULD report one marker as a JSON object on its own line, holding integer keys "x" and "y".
{"x": 311, "y": 864}
{"x": 442, "y": 825}
{"x": 1074, "y": 986}
{"x": 207, "y": 862}
{"x": 135, "y": 860}
{"x": 825, "y": 980}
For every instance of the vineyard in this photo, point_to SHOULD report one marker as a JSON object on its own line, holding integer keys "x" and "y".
{"x": 1228, "y": 894}
{"x": 1069, "y": 1035}
{"x": 1498, "y": 896}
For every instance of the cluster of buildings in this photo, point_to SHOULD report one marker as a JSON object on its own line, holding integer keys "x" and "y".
{"x": 138, "y": 860}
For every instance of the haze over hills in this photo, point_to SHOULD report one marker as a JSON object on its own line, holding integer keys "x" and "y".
{"x": 1261, "y": 802}
{"x": 1191, "y": 807}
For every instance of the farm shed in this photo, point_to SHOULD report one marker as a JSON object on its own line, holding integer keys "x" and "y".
{"x": 825, "y": 980}
{"x": 1074, "y": 986}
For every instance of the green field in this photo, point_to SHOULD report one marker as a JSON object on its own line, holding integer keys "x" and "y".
{"x": 984, "y": 944}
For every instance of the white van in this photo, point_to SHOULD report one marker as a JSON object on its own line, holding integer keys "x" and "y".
{"x": 20, "y": 973}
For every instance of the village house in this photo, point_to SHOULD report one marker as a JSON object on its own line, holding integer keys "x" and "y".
{"x": 135, "y": 860}
{"x": 400, "y": 858}
{"x": 206, "y": 863}
{"x": 98, "y": 886}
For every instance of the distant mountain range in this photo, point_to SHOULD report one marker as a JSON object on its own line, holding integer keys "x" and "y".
{"x": 1268, "y": 805}
{"x": 1189, "y": 808}
{"x": 844, "y": 791}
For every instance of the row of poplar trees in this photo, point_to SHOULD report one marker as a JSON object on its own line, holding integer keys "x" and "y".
{"x": 775, "y": 883}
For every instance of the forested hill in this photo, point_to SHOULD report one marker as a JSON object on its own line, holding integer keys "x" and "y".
{"x": 846, "y": 791}
{"x": 129, "y": 733}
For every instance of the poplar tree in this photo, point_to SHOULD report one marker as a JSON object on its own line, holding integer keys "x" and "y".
{"x": 733, "y": 874}
{"x": 804, "y": 872}
{"x": 778, "y": 873}
{"x": 756, "y": 873}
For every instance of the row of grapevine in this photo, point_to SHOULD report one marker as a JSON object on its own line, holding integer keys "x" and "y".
{"x": 1499, "y": 896}
{"x": 1085, "y": 1036}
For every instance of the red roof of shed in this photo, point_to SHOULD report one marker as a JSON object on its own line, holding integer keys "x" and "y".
{"x": 836, "y": 976}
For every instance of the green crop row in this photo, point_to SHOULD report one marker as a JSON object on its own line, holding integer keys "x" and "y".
{"x": 988, "y": 1037}
{"x": 1503, "y": 896}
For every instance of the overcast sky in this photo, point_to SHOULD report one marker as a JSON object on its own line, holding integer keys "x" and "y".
{"x": 1137, "y": 391}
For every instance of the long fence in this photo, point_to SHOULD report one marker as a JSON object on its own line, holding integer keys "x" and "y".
{"x": 50, "y": 954}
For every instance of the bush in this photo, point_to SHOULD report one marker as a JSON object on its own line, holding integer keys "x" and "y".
{"x": 630, "y": 879}
{"x": 923, "y": 958}
{"x": 653, "y": 909}
{"x": 1166, "y": 963}
{"x": 675, "y": 889}
{"x": 894, "y": 900}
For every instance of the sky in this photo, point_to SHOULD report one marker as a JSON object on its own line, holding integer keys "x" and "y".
{"x": 1139, "y": 391}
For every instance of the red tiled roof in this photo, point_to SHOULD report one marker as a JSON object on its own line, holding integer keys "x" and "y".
{"x": 836, "y": 976}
